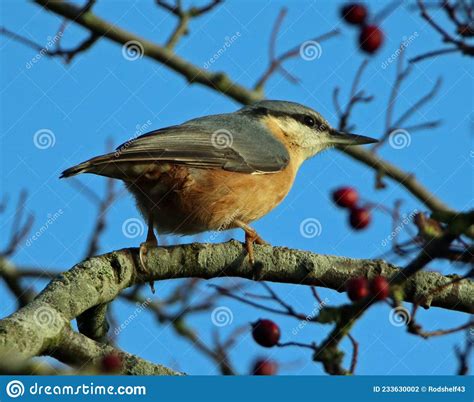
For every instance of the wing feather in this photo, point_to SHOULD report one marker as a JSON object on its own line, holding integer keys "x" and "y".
{"x": 233, "y": 142}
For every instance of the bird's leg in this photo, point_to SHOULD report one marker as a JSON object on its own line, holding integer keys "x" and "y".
{"x": 150, "y": 241}
{"x": 251, "y": 237}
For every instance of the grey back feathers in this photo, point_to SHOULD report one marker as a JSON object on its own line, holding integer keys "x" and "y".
{"x": 236, "y": 142}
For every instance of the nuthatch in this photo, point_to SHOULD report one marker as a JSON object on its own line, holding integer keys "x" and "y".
{"x": 218, "y": 172}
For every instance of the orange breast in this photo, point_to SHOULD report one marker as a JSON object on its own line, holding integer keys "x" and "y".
{"x": 190, "y": 200}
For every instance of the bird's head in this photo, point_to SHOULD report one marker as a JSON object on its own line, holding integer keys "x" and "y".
{"x": 304, "y": 129}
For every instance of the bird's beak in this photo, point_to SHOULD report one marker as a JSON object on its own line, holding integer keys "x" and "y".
{"x": 342, "y": 138}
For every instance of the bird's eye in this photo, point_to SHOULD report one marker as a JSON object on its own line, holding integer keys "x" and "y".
{"x": 309, "y": 121}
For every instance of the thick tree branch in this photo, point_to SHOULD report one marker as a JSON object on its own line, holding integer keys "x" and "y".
{"x": 218, "y": 81}
{"x": 42, "y": 327}
{"x": 80, "y": 351}
{"x": 39, "y": 328}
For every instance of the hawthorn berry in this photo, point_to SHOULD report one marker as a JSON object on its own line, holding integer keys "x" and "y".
{"x": 357, "y": 288}
{"x": 359, "y": 218}
{"x": 265, "y": 367}
{"x": 354, "y": 13}
{"x": 379, "y": 288}
{"x": 111, "y": 363}
{"x": 266, "y": 333}
{"x": 370, "y": 38}
{"x": 345, "y": 197}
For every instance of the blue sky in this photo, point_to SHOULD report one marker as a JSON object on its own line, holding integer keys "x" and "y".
{"x": 101, "y": 95}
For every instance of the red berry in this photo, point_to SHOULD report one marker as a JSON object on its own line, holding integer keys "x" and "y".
{"x": 357, "y": 288}
{"x": 265, "y": 367}
{"x": 379, "y": 288}
{"x": 359, "y": 218}
{"x": 111, "y": 363}
{"x": 346, "y": 197}
{"x": 354, "y": 13}
{"x": 266, "y": 333}
{"x": 370, "y": 38}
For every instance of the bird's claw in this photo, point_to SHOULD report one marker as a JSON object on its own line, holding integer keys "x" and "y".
{"x": 143, "y": 251}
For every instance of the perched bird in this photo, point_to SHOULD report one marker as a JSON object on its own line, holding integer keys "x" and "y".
{"x": 218, "y": 172}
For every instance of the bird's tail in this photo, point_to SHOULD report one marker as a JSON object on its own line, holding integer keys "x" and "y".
{"x": 72, "y": 171}
{"x": 95, "y": 165}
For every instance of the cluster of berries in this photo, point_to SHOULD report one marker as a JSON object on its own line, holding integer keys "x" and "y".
{"x": 348, "y": 197}
{"x": 267, "y": 333}
{"x": 370, "y": 35}
{"x": 360, "y": 288}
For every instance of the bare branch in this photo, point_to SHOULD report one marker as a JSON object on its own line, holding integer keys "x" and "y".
{"x": 221, "y": 83}
{"x": 276, "y": 62}
{"x": 463, "y": 29}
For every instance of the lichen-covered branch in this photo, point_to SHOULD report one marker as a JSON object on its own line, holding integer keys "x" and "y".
{"x": 39, "y": 328}
{"x": 42, "y": 327}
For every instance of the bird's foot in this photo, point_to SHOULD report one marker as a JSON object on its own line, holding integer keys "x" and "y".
{"x": 143, "y": 253}
{"x": 251, "y": 238}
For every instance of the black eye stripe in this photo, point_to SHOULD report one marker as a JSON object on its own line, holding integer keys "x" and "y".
{"x": 317, "y": 124}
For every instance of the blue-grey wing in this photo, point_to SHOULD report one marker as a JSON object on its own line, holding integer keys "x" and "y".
{"x": 232, "y": 142}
